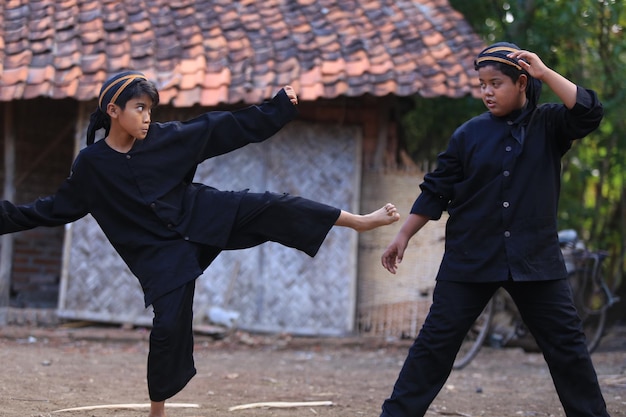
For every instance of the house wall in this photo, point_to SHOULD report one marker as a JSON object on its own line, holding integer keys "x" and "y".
{"x": 396, "y": 305}
{"x": 387, "y": 305}
{"x": 368, "y": 114}
{"x": 43, "y": 130}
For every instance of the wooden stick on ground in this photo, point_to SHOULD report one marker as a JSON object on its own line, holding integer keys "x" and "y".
{"x": 280, "y": 404}
{"x": 126, "y": 406}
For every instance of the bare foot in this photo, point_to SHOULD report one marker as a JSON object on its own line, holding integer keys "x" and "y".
{"x": 157, "y": 409}
{"x": 385, "y": 215}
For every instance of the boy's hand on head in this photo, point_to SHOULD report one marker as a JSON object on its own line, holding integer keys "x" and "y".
{"x": 531, "y": 63}
{"x": 291, "y": 93}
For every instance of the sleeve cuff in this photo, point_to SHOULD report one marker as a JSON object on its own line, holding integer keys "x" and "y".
{"x": 429, "y": 206}
{"x": 585, "y": 100}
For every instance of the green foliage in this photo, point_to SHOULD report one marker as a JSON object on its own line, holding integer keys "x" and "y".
{"x": 584, "y": 41}
{"x": 432, "y": 121}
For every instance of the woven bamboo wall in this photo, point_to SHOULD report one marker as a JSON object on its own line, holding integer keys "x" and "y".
{"x": 272, "y": 288}
{"x": 396, "y": 305}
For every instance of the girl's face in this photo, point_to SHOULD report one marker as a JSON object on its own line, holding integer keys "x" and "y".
{"x": 499, "y": 93}
{"x": 134, "y": 119}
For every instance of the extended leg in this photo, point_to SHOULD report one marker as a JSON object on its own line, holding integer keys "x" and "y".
{"x": 296, "y": 222}
{"x": 429, "y": 362}
{"x": 549, "y": 313}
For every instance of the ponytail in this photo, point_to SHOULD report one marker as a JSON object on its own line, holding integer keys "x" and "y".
{"x": 98, "y": 120}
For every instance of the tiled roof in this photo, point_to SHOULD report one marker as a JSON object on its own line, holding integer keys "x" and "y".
{"x": 223, "y": 51}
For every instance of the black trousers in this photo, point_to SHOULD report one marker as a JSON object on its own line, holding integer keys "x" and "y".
{"x": 289, "y": 220}
{"x": 170, "y": 359}
{"x": 292, "y": 221}
{"x": 547, "y": 310}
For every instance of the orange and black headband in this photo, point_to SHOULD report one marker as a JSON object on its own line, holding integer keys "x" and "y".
{"x": 112, "y": 89}
{"x": 498, "y": 53}
{"x": 109, "y": 93}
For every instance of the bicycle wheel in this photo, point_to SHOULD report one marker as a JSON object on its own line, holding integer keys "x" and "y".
{"x": 475, "y": 338}
{"x": 590, "y": 300}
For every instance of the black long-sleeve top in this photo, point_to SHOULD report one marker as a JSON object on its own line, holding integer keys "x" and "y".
{"x": 499, "y": 180}
{"x": 144, "y": 200}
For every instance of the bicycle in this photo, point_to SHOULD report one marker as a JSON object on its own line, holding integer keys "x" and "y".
{"x": 592, "y": 298}
{"x": 592, "y": 295}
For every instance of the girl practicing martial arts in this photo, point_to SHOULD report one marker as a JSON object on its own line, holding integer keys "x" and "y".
{"x": 137, "y": 184}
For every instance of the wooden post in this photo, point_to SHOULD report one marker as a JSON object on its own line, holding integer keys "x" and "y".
{"x": 6, "y": 248}
{"x": 82, "y": 122}
{"x": 381, "y": 141}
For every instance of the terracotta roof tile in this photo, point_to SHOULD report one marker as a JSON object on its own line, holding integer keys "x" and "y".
{"x": 219, "y": 51}
{"x": 15, "y": 76}
{"x": 11, "y": 92}
{"x": 40, "y": 75}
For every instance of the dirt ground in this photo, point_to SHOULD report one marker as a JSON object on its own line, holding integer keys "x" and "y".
{"x": 44, "y": 370}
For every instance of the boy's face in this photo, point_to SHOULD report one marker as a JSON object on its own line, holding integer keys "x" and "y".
{"x": 134, "y": 119}
{"x": 499, "y": 93}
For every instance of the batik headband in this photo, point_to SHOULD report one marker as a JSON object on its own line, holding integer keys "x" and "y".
{"x": 498, "y": 53}
{"x": 117, "y": 85}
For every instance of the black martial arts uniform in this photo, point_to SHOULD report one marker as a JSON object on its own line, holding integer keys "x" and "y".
{"x": 168, "y": 229}
{"x": 499, "y": 180}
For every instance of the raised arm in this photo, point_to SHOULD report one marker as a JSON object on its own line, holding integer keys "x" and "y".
{"x": 562, "y": 87}
{"x": 228, "y": 131}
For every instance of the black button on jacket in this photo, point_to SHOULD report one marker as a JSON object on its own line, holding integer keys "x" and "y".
{"x": 144, "y": 200}
{"x": 499, "y": 180}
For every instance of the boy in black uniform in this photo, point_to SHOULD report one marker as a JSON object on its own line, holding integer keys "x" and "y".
{"x": 499, "y": 180}
{"x": 137, "y": 184}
